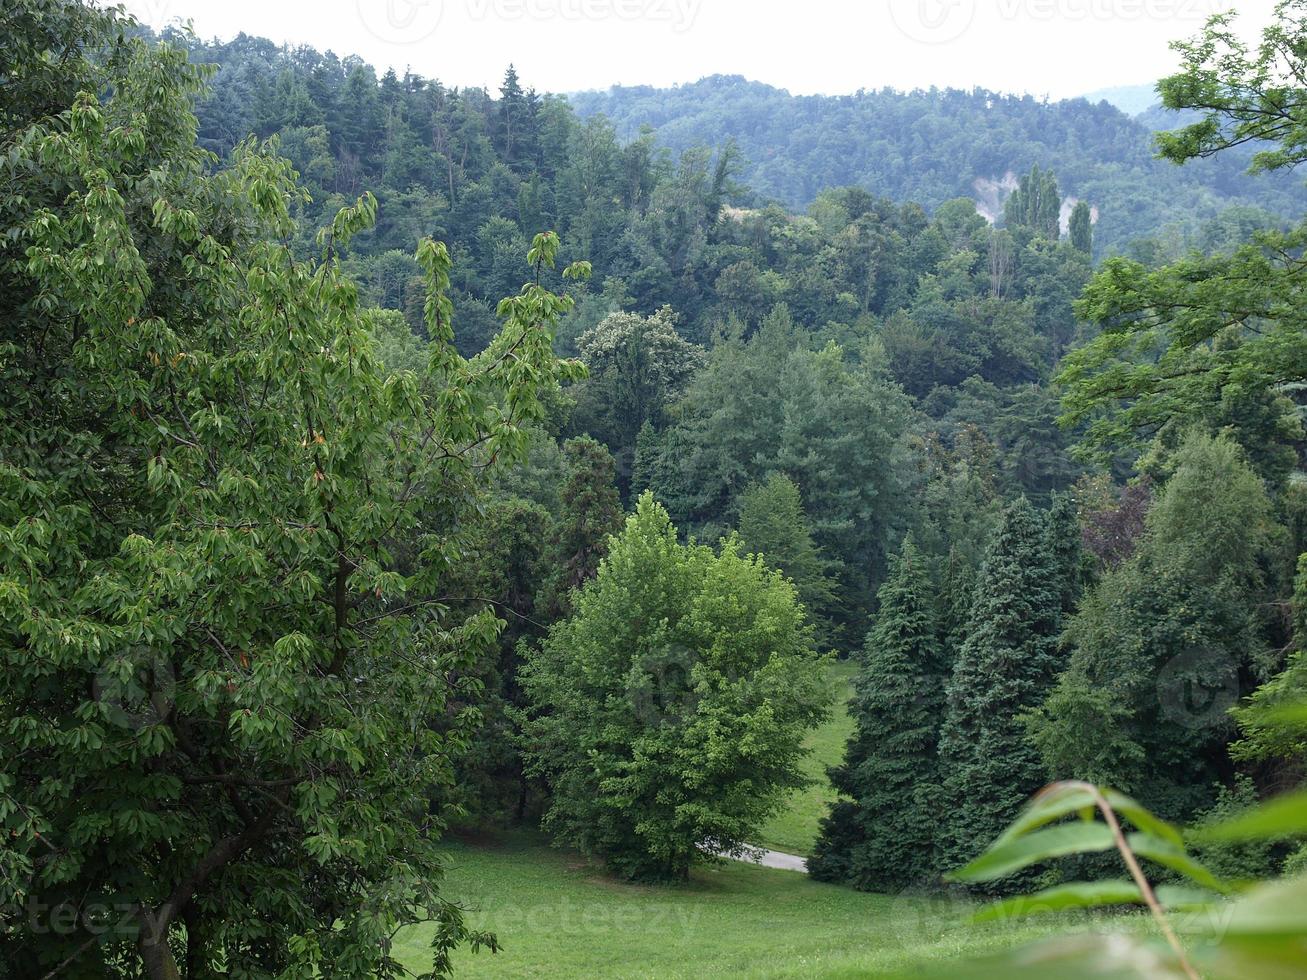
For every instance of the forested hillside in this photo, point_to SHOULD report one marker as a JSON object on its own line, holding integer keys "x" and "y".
{"x": 931, "y": 146}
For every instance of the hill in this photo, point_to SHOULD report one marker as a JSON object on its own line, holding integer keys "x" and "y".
{"x": 934, "y": 145}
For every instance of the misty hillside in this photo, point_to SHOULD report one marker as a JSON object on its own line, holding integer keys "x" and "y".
{"x": 932, "y": 146}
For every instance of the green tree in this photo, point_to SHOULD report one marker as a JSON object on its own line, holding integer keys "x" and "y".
{"x": 637, "y": 366}
{"x": 590, "y": 512}
{"x": 1081, "y": 228}
{"x": 223, "y": 525}
{"x": 1167, "y": 641}
{"x": 772, "y": 525}
{"x": 1182, "y": 342}
{"x": 669, "y": 712}
{"x": 1036, "y": 205}
{"x": 884, "y": 837}
{"x": 1006, "y": 665}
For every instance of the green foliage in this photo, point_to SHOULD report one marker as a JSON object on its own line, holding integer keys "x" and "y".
{"x": 1035, "y": 205}
{"x": 589, "y": 512}
{"x": 637, "y": 366}
{"x": 1006, "y": 665}
{"x": 773, "y": 526}
{"x": 1238, "y": 860}
{"x": 1163, "y": 644}
{"x": 1210, "y": 338}
{"x": 770, "y": 404}
{"x": 668, "y": 713}
{"x": 1081, "y": 228}
{"x": 796, "y": 147}
{"x": 883, "y": 838}
{"x": 224, "y": 525}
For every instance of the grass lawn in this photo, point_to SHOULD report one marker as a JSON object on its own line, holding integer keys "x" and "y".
{"x": 557, "y": 916}
{"x": 794, "y": 829}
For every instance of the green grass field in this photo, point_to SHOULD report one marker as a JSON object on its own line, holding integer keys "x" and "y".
{"x": 558, "y": 916}
{"x": 794, "y": 829}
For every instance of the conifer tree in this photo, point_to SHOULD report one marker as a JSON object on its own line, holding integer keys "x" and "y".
{"x": 1005, "y": 667}
{"x": 883, "y": 838}
{"x": 591, "y": 511}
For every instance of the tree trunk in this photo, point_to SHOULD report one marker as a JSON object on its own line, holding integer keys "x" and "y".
{"x": 156, "y": 953}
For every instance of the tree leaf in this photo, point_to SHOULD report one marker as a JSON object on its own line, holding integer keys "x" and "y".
{"x": 1078, "y": 895}
{"x": 1013, "y": 854}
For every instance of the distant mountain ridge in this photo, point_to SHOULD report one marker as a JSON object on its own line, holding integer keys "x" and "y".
{"x": 1130, "y": 99}
{"x": 934, "y": 145}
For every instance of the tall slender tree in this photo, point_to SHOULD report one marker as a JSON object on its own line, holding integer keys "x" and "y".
{"x": 1006, "y": 666}
{"x": 883, "y": 837}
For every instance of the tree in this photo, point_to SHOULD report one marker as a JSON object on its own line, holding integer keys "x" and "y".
{"x": 1036, "y": 205}
{"x": 772, "y": 525}
{"x": 1182, "y": 341}
{"x": 884, "y": 837}
{"x": 637, "y": 366}
{"x": 591, "y": 511}
{"x": 668, "y": 713}
{"x": 1167, "y": 640}
{"x": 1006, "y": 665}
{"x": 1081, "y": 228}
{"x": 223, "y": 524}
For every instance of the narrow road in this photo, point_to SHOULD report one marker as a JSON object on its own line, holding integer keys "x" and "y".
{"x": 772, "y": 859}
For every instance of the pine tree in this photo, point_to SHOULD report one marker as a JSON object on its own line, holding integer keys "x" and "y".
{"x": 1066, "y": 551}
{"x": 1082, "y": 228}
{"x": 883, "y": 837}
{"x": 1005, "y": 667}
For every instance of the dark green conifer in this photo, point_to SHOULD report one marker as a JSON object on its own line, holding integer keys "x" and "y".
{"x": 883, "y": 838}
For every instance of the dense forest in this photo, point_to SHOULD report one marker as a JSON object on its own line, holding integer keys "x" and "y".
{"x": 380, "y": 459}
{"x": 935, "y": 145}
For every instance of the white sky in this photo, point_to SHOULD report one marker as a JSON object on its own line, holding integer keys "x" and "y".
{"x": 1058, "y": 48}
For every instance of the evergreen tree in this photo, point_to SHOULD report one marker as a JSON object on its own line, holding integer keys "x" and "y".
{"x": 591, "y": 511}
{"x": 1082, "y": 228}
{"x": 1006, "y": 666}
{"x": 1068, "y": 555}
{"x": 511, "y": 121}
{"x": 883, "y": 838}
{"x": 772, "y": 524}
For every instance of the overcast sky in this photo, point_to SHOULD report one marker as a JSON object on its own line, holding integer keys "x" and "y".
{"x": 1058, "y": 48}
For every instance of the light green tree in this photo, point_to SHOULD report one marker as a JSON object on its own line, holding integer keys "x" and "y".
{"x": 668, "y": 713}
